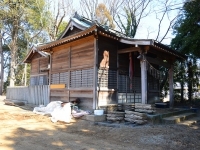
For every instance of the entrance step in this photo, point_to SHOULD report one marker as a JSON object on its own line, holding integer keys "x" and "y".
{"x": 178, "y": 118}
{"x": 190, "y": 122}
{"x": 15, "y": 102}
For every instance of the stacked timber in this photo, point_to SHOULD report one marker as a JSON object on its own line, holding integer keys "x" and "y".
{"x": 112, "y": 107}
{"x": 104, "y": 108}
{"x": 135, "y": 117}
{"x": 144, "y": 108}
{"x": 109, "y": 108}
{"x": 120, "y": 107}
{"x": 129, "y": 106}
{"x": 115, "y": 116}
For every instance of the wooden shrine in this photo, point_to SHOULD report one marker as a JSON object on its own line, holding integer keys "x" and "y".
{"x": 101, "y": 66}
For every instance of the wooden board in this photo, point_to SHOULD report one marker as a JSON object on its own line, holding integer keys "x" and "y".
{"x": 57, "y": 86}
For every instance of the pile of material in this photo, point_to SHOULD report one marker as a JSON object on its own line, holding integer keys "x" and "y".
{"x": 129, "y": 106}
{"x": 135, "y": 117}
{"x": 109, "y": 108}
{"x": 112, "y": 107}
{"x": 115, "y": 116}
{"x": 144, "y": 108}
{"x": 120, "y": 107}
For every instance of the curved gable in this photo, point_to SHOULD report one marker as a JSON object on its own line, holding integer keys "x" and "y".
{"x": 75, "y": 25}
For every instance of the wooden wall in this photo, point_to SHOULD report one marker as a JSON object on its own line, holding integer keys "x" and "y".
{"x": 72, "y": 65}
{"x": 71, "y": 32}
{"x": 39, "y": 70}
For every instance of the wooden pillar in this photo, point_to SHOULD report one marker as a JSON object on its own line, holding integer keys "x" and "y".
{"x": 50, "y": 70}
{"x": 95, "y": 75}
{"x": 171, "y": 88}
{"x": 143, "y": 65}
{"x": 69, "y": 73}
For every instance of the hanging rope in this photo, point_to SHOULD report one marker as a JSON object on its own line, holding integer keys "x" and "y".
{"x": 154, "y": 72}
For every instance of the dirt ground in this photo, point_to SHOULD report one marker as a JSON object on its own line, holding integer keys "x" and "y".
{"x": 20, "y": 129}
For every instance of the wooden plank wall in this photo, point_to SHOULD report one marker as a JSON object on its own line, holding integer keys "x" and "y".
{"x": 43, "y": 63}
{"x": 38, "y": 76}
{"x": 72, "y": 65}
{"x": 35, "y": 67}
{"x": 37, "y": 95}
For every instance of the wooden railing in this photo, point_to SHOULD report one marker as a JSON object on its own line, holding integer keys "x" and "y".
{"x": 37, "y": 95}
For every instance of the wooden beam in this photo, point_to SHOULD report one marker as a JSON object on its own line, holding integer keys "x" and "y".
{"x": 158, "y": 61}
{"x": 81, "y": 89}
{"x": 136, "y": 42}
{"x": 128, "y": 50}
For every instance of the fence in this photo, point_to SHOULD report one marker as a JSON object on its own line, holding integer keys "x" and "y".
{"x": 37, "y": 95}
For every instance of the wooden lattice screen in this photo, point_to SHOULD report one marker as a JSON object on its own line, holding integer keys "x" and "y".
{"x": 81, "y": 78}
{"x": 78, "y": 78}
{"x": 124, "y": 84}
{"x": 59, "y": 78}
{"x": 107, "y": 78}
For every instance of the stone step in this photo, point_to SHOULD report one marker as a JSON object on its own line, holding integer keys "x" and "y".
{"x": 178, "y": 118}
{"x": 174, "y": 113}
{"x": 15, "y": 102}
{"x": 190, "y": 122}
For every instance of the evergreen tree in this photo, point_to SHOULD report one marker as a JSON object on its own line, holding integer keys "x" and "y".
{"x": 187, "y": 30}
{"x": 187, "y": 41}
{"x": 20, "y": 17}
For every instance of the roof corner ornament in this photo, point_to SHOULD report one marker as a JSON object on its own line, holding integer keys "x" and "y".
{"x": 71, "y": 27}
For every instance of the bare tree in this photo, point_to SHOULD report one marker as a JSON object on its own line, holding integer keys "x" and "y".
{"x": 164, "y": 13}
{"x": 132, "y": 13}
{"x": 88, "y": 8}
{"x": 60, "y": 10}
{"x": 103, "y": 16}
{"x": 114, "y": 6}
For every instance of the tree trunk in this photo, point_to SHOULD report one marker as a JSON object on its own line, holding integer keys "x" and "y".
{"x": 13, "y": 49}
{"x": 182, "y": 92}
{"x": 190, "y": 77}
{"x": 1, "y": 65}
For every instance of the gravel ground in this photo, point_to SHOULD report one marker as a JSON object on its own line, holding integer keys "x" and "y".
{"x": 20, "y": 129}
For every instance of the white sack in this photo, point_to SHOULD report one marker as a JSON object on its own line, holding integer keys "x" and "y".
{"x": 48, "y": 109}
{"x": 57, "y": 112}
{"x": 62, "y": 113}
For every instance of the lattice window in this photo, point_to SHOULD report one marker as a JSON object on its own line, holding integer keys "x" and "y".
{"x": 153, "y": 83}
{"x": 33, "y": 80}
{"x": 129, "y": 98}
{"x": 63, "y": 77}
{"x": 39, "y": 80}
{"x": 59, "y": 78}
{"x": 81, "y": 78}
{"x": 125, "y": 86}
{"x": 107, "y": 78}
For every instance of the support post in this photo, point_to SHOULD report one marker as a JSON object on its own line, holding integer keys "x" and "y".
{"x": 95, "y": 75}
{"x": 171, "y": 89}
{"x": 143, "y": 65}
